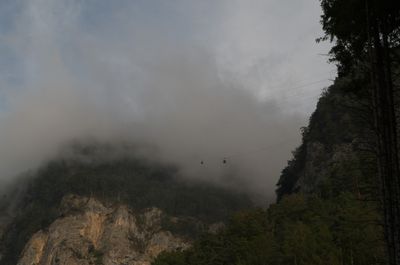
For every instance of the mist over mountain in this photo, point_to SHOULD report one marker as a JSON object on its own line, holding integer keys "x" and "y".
{"x": 199, "y": 132}
{"x": 113, "y": 74}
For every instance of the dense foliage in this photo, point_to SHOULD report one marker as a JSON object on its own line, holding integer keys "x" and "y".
{"x": 133, "y": 181}
{"x": 366, "y": 38}
{"x": 352, "y": 24}
{"x": 298, "y": 230}
{"x": 339, "y": 221}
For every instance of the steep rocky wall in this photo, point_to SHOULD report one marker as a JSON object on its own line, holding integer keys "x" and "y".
{"x": 320, "y": 164}
{"x": 330, "y": 150}
{"x": 90, "y": 232}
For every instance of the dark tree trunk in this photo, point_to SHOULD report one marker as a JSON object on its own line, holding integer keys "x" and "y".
{"x": 386, "y": 126}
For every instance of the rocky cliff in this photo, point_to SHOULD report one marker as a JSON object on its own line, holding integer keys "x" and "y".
{"x": 320, "y": 165}
{"x": 91, "y": 232}
{"x": 335, "y": 147}
{"x": 141, "y": 208}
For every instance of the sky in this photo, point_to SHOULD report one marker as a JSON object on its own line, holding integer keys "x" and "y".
{"x": 193, "y": 80}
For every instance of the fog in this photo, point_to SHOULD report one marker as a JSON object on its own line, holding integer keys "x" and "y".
{"x": 180, "y": 80}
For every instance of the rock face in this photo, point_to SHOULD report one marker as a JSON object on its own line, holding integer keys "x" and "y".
{"x": 320, "y": 163}
{"x": 90, "y": 232}
{"x": 332, "y": 157}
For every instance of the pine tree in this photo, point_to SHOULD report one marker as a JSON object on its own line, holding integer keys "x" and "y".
{"x": 366, "y": 35}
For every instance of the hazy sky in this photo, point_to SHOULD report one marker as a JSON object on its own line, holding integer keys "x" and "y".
{"x": 200, "y": 80}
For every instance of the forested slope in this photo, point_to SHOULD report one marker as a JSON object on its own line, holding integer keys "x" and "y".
{"x": 136, "y": 182}
{"x": 327, "y": 210}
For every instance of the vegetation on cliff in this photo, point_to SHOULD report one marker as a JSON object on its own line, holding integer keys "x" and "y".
{"x": 135, "y": 182}
{"x": 343, "y": 180}
{"x": 298, "y": 230}
{"x": 327, "y": 210}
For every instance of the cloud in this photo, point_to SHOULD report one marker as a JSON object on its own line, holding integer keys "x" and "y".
{"x": 185, "y": 77}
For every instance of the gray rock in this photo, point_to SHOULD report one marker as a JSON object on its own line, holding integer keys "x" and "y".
{"x": 90, "y": 232}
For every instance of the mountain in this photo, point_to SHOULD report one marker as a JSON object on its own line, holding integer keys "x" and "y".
{"x": 89, "y": 232}
{"x": 327, "y": 209}
{"x": 336, "y": 151}
{"x": 83, "y": 209}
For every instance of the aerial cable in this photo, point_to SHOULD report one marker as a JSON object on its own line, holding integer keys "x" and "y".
{"x": 225, "y": 158}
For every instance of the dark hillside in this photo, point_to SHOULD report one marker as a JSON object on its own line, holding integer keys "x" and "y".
{"x": 132, "y": 181}
{"x": 327, "y": 210}
{"x": 335, "y": 149}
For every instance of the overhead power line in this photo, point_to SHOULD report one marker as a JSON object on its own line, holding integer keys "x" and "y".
{"x": 225, "y": 159}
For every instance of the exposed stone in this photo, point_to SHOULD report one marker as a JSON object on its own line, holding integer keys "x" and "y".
{"x": 319, "y": 164}
{"x": 89, "y": 232}
{"x": 216, "y": 227}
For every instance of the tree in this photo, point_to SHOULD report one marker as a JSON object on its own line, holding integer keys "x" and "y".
{"x": 371, "y": 29}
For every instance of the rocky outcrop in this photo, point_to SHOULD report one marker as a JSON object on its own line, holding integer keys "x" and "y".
{"x": 336, "y": 147}
{"x": 320, "y": 164}
{"x": 91, "y": 232}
